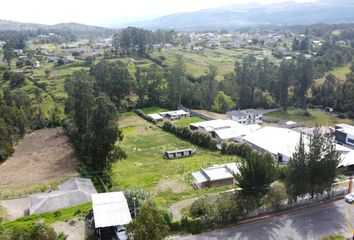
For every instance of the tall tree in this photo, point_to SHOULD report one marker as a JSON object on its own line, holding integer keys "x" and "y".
{"x": 9, "y": 53}
{"x": 304, "y": 78}
{"x": 176, "y": 82}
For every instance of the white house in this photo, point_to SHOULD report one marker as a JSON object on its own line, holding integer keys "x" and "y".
{"x": 174, "y": 115}
{"x": 213, "y": 125}
{"x": 156, "y": 117}
{"x": 235, "y": 133}
{"x": 344, "y": 134}
{"x": 247, "y": 116}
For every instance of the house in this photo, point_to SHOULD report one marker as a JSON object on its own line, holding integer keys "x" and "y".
{"x": 216, "y": 176}
{"x": 73, "y": 192}
{"x": 344, "y": 134}
{"x": 179, "y": 153}
{"x": 247, "y": 116}
{"x": 69, "y": 59}
{"x": 110, "y": 209}
{"x": 175, "y": 115}
{"x": 235, "y": 133}
{"x": 156, "y": 117}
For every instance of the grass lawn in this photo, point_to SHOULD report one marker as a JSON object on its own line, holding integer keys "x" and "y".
{"x": 145, "y": 167}
{"x": 316, "y": 118}
{"x": 339, "y": 72}
{"x": 77, "y": 212}
{"x": 187, "y": 120}
{"x": 2, "y": 214}
{"x": 334, "y": 238}
{"x": 150, "y": 110}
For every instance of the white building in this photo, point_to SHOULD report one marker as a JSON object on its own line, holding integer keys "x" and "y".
{"x": 344, "y": 134}
{"x": 156, "y": 117}
{"x": 247, "y": 116}
{"x": 235, "y": 133}
{"x": 213, "y": 125}
{"x": 174, "y": 115}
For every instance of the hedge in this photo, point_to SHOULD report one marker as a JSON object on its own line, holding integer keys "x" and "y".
{"x": 199, "y": 138}
{"x": 239, "y": 149}
{"x": 145, "y": 116}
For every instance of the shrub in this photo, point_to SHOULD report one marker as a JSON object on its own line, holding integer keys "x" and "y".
{"x": 202, "y": 207}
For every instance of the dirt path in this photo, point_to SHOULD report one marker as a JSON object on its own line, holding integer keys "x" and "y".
{"x": 40, "y": 157}
{"x": 176, "y": 208}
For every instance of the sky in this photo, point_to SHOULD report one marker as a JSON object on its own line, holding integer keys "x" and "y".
{"x": 105, "y": 12}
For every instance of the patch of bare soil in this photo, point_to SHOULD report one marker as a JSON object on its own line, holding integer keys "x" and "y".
{"x": 173, "y": 185}
{"x": 212, "y": 115}
{"x": 75, "y": 230}
{"x": 15, "y": 208}
{"x": 40, "y": 157}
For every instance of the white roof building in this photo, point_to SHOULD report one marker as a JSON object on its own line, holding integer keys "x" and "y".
{"x": 347, "y": 159}
{"x": 156, "y": 116}
{"x": 110, "y": 209}
{"x": 213, "y": 125}
{"x": 215, "y": 175}
{"x": 235, "y": 133}
{"x": 177, "y": 114}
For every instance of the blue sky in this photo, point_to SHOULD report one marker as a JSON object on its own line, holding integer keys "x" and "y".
{"x": 105, "y": 12}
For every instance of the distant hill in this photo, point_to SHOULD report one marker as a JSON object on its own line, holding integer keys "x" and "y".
{"x": 286, "y": 13}
{"x": 72, "y": 27}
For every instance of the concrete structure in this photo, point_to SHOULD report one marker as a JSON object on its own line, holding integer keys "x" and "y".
{"x": 247, "y": 116}
{"x": 74, "y": 192}
{"x": 156, "y": 117}
{"x": 175, "y": 115}
{"x": 216, "y": 176}
{"x": 179, "y": 153}
{"x": 110, "y": 209}
{"x": 344, "y": 134}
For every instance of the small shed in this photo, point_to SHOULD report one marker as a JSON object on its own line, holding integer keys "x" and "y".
{"x": 110, "y": 209}
{"x": 156, "y": 117}
{"x": 180, "y": 153}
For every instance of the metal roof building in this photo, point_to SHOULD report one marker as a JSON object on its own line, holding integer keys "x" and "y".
{"x": 73, "y": 192}
{"x": 110, "y": 209}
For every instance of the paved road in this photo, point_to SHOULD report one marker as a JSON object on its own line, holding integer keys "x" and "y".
{"x": 313, "y": 223}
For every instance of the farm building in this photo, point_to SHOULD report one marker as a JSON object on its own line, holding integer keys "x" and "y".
{"x": 74, "y": 192}
{"x": 344, "y": 134}
{"x": 281, "y": 142}
{"x": 156, "y": 117}
{"x": 235, "y": 133}
{"x": 214, "y": 125}
{"x": 216, "y": 176}
{"x": 110, "y": 209}
{"x": 175, "y": 115}
{"x": 248, "y": 116}
{"x": 179, "y": 153}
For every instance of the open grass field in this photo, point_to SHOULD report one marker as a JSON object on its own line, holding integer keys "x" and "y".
{"x": 186, "y": 121}
{"x": 316, "y": 118}
{"x": 145, "y": 167}
{"x": 41, "y": 158}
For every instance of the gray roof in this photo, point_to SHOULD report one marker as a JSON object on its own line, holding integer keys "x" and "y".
{"x": 237, "y": 113}
{"x": 73, "y": 192}
{"x": 181, "y": 150}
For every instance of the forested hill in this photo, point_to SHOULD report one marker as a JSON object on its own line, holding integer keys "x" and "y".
{"x": 77, "y": 28}
{"x": 230, "y": 17}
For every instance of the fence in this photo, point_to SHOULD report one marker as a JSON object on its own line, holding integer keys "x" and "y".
{"x": 195, "y": 113}
{"x": 333, "y": 194}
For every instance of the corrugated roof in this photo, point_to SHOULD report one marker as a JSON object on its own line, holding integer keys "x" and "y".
{"x": 110, "y": 209}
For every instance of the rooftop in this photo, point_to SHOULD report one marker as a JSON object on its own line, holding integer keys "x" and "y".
{"x": 110, "y": 209}
{"x": 215, "y": 124}
{"x": 235, "y": 132}
{"x": 215, "y": 173}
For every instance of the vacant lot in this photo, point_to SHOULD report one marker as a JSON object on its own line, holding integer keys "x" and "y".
{"x": 316, "y": 118}
{"x": 40, "y": 158}
{"x": 145, "y": 167}
{"x": 212, "y": 115}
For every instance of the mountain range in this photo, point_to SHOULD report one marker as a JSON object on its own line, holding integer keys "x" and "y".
{"x": 255, "y": 14}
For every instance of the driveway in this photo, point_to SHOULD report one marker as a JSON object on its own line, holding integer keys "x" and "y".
{"x": 312, "y": 223}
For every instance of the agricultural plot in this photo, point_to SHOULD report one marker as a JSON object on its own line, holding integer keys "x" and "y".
{"x": 145, "y": 167}
{"x": 339, "y": 72}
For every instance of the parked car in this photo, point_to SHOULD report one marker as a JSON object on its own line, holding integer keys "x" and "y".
{"x": 349, "y": 198}
{"x": 121, "y": 232}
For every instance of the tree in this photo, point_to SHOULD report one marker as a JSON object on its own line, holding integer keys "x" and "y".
{"x": 223, "y": 103}
{"x": 176, "y": 82}
{"x": 255, "y": 175}
{"x": 150, "y": 223}
{"x": 312, "y": 171}
{"x": 304, "y": 78}
{"x": 296, "y": 180}
{"x": 9, "y": 53}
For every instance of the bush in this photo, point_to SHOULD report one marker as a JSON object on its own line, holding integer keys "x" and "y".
{"x": 238, "y": 149}
{"x": 145, "y": 116}
{"x": 202, "y": 207}
{"x": 341, "y": 115}
{"x": 199, "y": 138}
